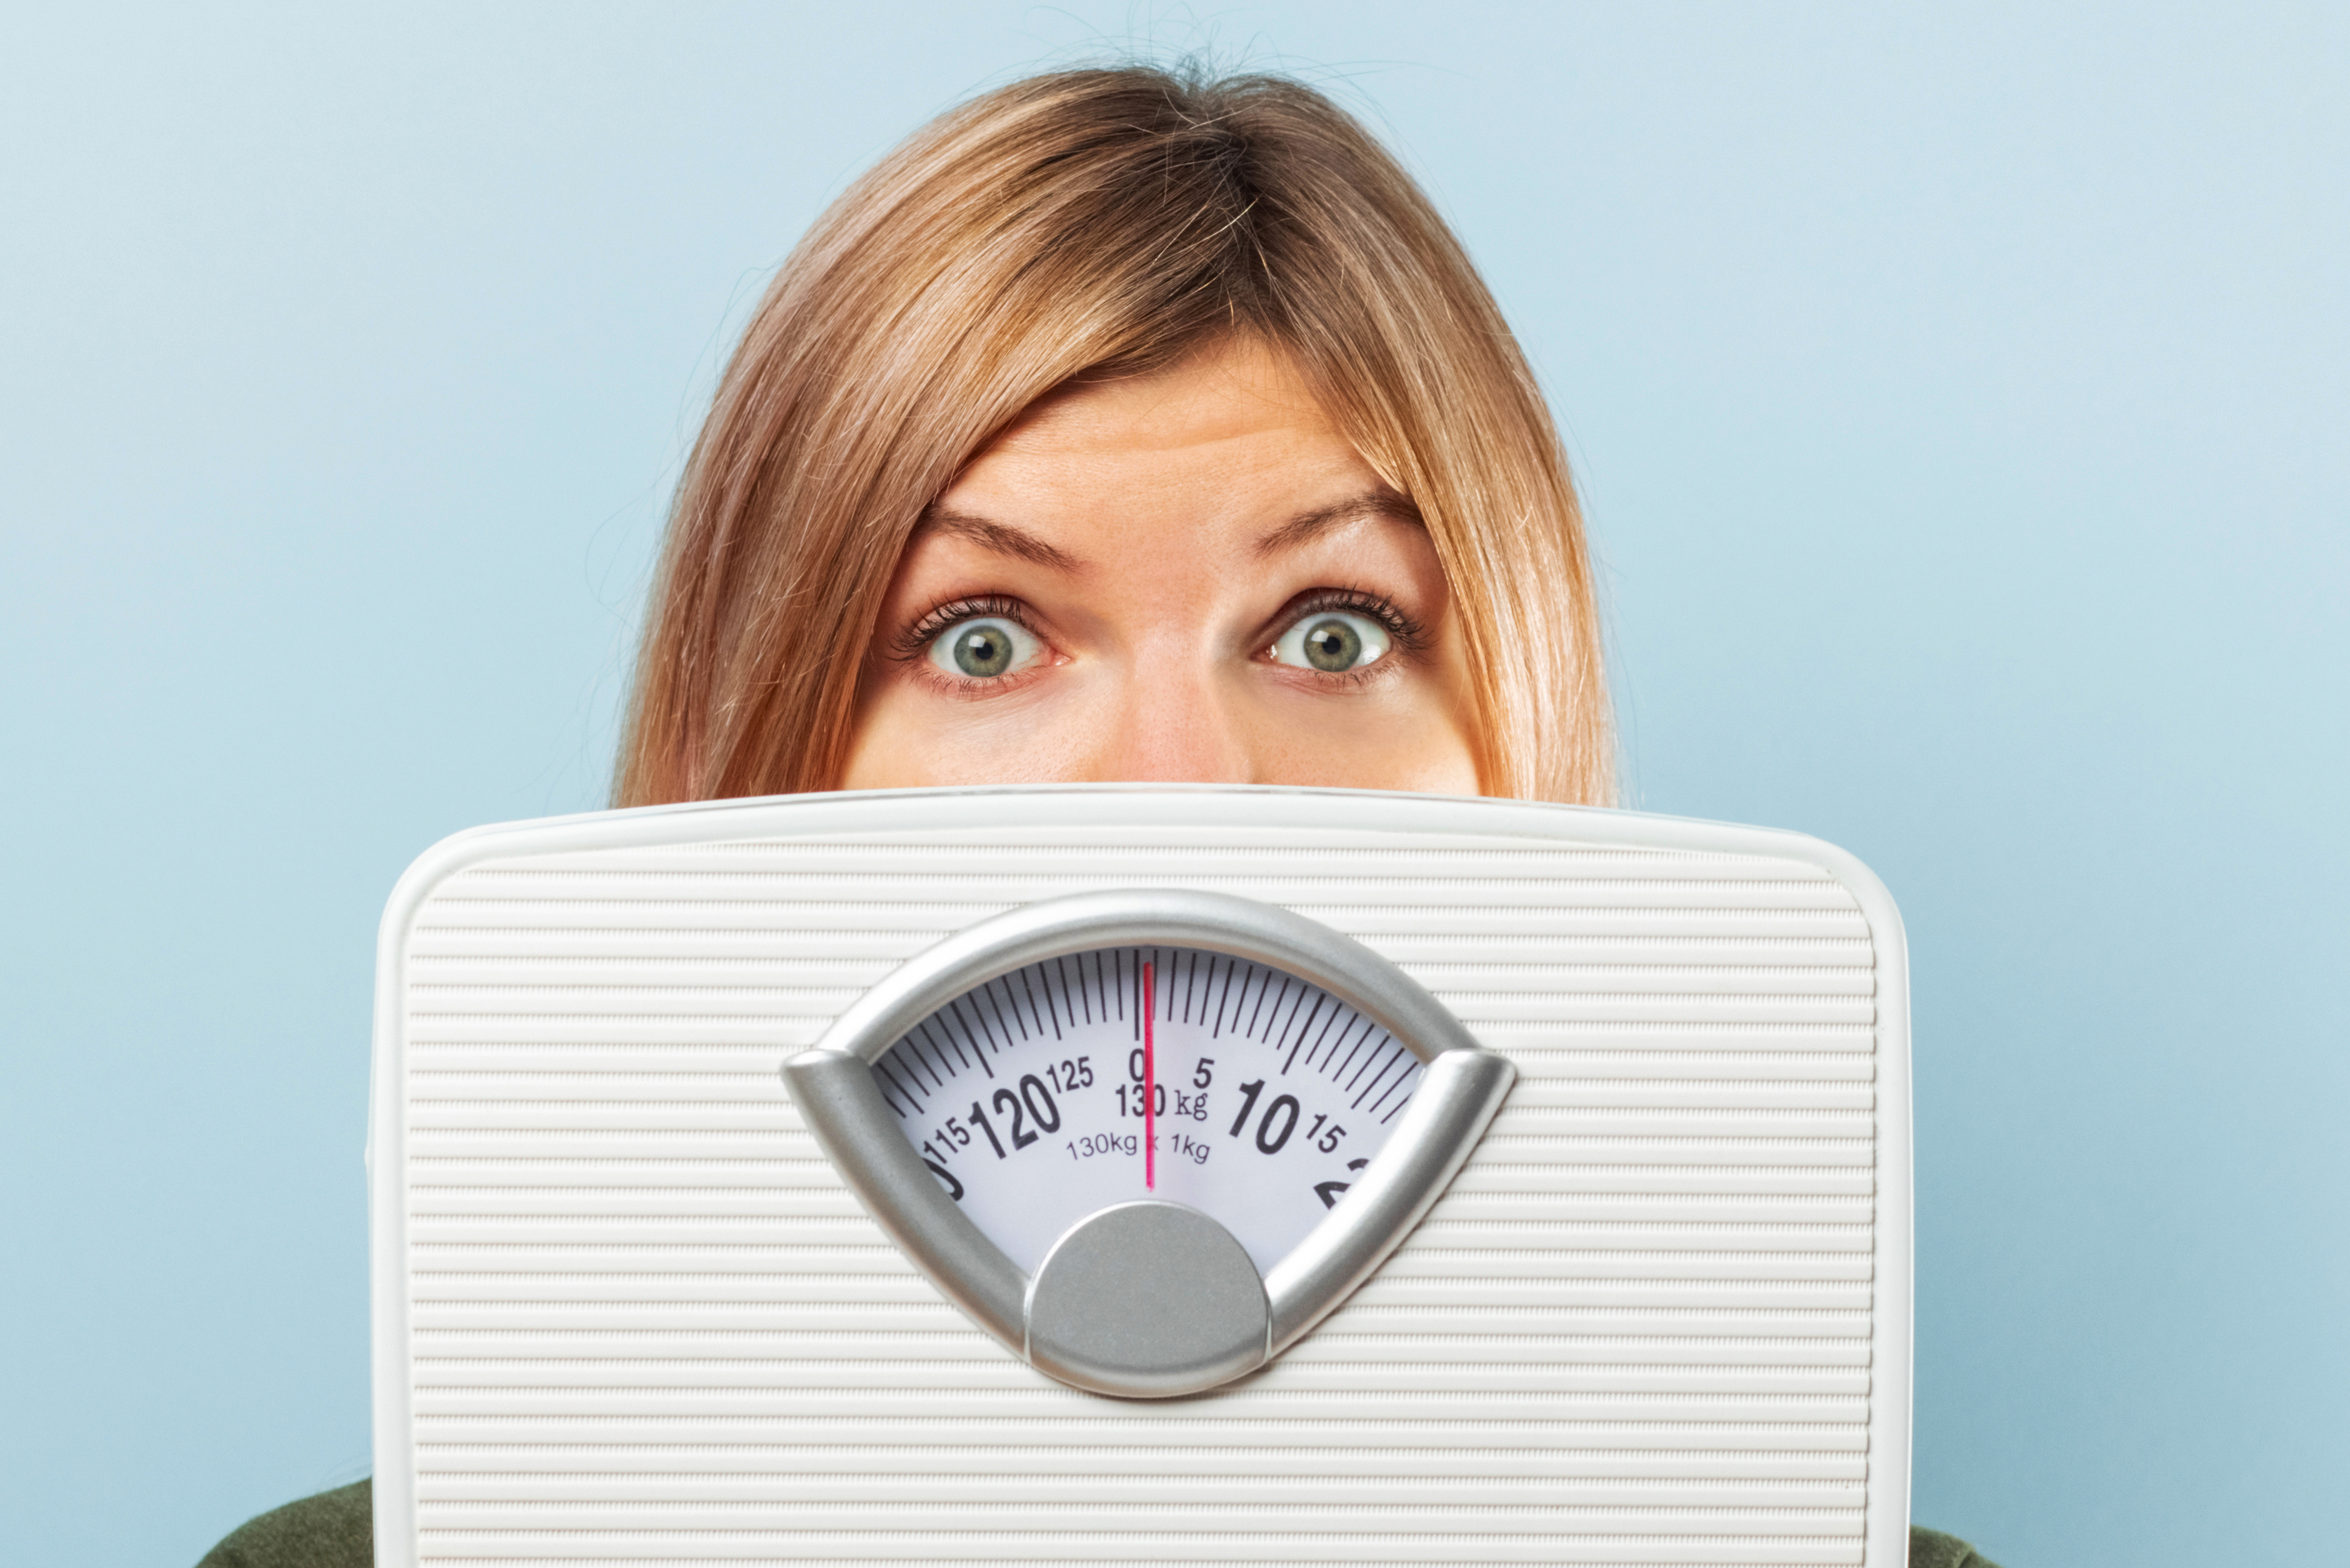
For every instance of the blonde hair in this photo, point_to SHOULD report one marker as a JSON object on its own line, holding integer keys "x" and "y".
{"x": 1085, "y": 223}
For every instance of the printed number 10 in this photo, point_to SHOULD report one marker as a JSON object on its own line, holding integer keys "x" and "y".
{"x": 1279, "y": 1118}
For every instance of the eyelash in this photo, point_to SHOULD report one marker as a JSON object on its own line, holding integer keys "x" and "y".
{"x": 915, "y": 641}
{"x": 1409, "y": 638}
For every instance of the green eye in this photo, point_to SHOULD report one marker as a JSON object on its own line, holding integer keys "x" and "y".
{"x": 1333, "y": 641}
{"x": 985, "y": 648}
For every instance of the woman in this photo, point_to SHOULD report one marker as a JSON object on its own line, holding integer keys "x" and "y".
{"x": 1120, "y": 425}
{"x": 1009, "y": 286}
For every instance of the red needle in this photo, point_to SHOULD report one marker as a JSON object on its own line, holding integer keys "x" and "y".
{"x": 1150, "y": 1090}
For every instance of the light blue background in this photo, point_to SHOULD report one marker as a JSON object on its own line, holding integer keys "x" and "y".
{"x": 1963, "y": 405}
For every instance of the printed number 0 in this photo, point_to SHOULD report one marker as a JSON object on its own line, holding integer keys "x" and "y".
{"x": 1267, "y": 1140}
{"x": 1039, "y": 1100}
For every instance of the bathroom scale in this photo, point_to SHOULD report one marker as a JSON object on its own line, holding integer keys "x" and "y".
{"x": 1139, "y": 1174}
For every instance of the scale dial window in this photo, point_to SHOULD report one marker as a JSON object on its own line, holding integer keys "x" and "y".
{"x": 1104, "y": 1076}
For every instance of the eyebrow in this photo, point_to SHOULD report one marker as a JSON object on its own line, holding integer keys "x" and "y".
{"x": 1001, "y": 538}
{"x": 1304, "y": 528}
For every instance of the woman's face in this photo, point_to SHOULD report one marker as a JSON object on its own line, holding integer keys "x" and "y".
{"x": 1190, "y": 577}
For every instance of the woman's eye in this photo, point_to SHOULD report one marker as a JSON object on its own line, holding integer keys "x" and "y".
{"x": 985, "y": 648}
{"x": 1331, "y": 641}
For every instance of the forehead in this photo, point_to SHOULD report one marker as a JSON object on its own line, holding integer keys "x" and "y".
{"x": 1213, "y": 405}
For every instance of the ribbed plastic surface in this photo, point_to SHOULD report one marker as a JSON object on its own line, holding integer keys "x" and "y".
{"x": 646, "y": 1323}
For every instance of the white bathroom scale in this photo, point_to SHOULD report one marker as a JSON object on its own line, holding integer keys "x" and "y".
{"x": 1126, "y": 1174}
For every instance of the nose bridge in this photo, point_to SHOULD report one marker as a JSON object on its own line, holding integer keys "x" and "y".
{"x": 1173, "y": 721}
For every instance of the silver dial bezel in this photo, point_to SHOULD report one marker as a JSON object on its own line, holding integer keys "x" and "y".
{"x": 1461, "y": 1087}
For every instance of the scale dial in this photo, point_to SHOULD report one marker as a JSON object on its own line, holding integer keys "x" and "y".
{"x": 1120, "y": 1074}
{"x": 1147, "y": 1137}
